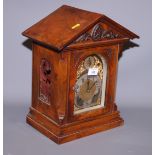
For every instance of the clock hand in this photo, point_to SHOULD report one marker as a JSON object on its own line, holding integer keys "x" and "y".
{"x": 87, "y": 84}
{"x": 92, "y": 85}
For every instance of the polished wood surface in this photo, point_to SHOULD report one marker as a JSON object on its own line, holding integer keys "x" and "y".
{"x": 55, "y": 41}
{"x": 56, "y": 31}
{"x": 57, "y": 120}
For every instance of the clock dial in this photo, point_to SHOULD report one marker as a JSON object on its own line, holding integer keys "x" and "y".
{"x": 90, "y": 89}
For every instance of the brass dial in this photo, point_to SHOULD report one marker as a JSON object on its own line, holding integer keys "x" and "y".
{"x": 89, "y": 89}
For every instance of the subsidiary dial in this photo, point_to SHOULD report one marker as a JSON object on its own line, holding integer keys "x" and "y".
{"x": 89, "y": 62}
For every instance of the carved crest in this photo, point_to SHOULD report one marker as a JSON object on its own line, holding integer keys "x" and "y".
{"x": 97, "y": 33}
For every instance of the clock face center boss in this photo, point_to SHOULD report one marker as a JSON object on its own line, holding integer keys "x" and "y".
{"x": 75, "y": 61}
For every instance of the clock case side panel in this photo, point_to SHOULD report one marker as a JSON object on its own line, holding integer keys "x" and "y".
{"x": 56, "y": 111}
{"x": 110, "y": 53}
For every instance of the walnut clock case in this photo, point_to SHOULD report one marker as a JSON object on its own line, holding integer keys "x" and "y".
{"x": 75, "y": 61}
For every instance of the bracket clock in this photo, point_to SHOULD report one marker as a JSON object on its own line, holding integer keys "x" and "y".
{"x": 75, "y": 61}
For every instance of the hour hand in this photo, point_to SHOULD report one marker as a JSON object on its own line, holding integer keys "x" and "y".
{"x": 88, "y": 84}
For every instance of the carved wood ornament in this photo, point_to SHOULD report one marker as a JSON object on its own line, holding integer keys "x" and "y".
{"x": 96, "y": 34}
{"x": 45, "y": 81}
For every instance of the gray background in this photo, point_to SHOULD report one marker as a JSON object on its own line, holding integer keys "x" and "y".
{"x": 133, "y": 86}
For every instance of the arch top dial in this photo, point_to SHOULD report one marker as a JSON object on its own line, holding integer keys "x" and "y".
{"x": 89, "y": 89}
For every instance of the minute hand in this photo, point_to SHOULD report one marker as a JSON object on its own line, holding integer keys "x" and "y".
{"x": 92, "y": 85}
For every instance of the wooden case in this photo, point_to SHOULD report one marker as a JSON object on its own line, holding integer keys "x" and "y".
{"x": 60, "y": 42}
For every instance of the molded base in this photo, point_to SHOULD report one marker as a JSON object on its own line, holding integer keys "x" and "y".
{"x": 67, "y": 132}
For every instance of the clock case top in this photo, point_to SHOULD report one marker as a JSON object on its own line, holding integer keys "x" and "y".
{"x": 60, "y": 29}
